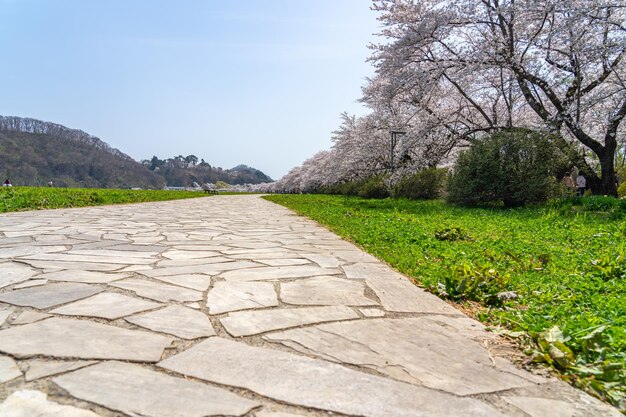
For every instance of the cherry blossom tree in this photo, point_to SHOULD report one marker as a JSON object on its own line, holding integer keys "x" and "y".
{"x": 481, "y": 65}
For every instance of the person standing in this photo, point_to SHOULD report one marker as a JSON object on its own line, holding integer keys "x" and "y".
{"x": 581, "y": 184}
{"x": 568, "y": 184}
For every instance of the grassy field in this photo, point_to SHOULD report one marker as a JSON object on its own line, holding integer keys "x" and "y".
{"x": 38, "y": 198}
{"x": 553, "y": 278}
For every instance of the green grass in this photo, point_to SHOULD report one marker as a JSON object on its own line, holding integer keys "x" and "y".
{"x": 39, "y": 198}
{"x": 565, "y": 263}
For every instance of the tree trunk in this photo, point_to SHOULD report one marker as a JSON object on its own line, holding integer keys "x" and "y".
{"x": 607, "y": 184}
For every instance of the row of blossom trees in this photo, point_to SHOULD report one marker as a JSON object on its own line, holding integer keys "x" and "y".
{"x": 449, "y": 72}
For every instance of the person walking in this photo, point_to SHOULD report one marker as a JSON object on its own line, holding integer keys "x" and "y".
{"x": 581, "y": 183}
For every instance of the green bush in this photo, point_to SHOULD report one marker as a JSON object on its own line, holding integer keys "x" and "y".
{"x": 514, "y": 167}
{"x": 427, "y": 184}
{"x": 374, "y": 187}
{"x": 621, "y": 190}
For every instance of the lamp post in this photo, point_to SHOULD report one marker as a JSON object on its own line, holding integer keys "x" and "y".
{"x": 394, "y": 142}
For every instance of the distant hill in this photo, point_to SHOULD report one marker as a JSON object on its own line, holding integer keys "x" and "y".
{"x": 185, "y": 170}
{"x": 33, "y": 152}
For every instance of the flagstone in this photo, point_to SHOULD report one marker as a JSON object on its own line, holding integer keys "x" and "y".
{"x": 283, "y": 262}
{"x": 49, "y": 295}
{"x": 268, "y": 273}
{"x": 80, "y": 266}
{"x": 308, "y": 382}
{"x": 13, "y": 252}
{"x": 205, "y": 268}
{"x": 202, "y": 246}
{"x": 106, "y": 305}
{"x": 246, "y": 323}
{"x": 264, "y": 255}
{"x": 29, "y": 316}
{"x": 71, "y": 338}
{"x": 115, "y": 253}
{"x": 323, "y": 260}
{"x": 232, "y": 296}
{"x": 325, "y": 290}
{"x": 179, "y": 321}
{"x": 29, "y": 403}
{"x": 540, "y": 407}
{"x": 403, "y": 349}
{"x": 14, "y": 273}
{"x": 89, "y": 277}
{"x": 372, "y": 312}
{"x": 134, "y": 390}
{"x": 355, "y": 256}
{"x": 5, "y": 313}
{"x": 158, "y": 291}
{"x": 175, "y": 263}
{"x": 189, "y": 254}
{"x": 95, "y": 259}
{"x": 265, "y": 413}
{"x": 196, "y": 282}
{"x": 30, "y": 283}
{"x": 8, "y": 369}
{"x": 39, "y": 368}
{"x": 395, "y": 291}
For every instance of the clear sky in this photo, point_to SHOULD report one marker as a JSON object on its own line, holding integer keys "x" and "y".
{"x": 259, "y": 82}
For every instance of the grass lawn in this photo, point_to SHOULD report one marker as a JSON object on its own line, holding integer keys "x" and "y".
{"x": 566, "y": 267}
{"x": 38, "y": 198}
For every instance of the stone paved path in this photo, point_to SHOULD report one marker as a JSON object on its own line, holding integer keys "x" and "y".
{"x": 233, "y": 306}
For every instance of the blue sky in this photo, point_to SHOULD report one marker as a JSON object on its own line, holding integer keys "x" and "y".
{"x": 259, "y": 82}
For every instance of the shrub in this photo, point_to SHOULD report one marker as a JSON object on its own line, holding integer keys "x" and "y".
{"x": 515, "y": 167}
{"x": 374, "y": 187}
{"x": 621, "y": 190}
{"x": 427, "y": 184}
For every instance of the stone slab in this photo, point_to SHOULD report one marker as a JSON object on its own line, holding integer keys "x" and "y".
{"x": 29, "y": 316}
{"x": 14, "y": 273}
{"x": 266, "y": 413}
{"x": 89, "y": 277}
{"x": 325, "y": 290}
{"x": 158, "y": 291}
{"x": 5, "y": 313}
{"x": 106, "y": 305}
{"x": 8, "y": 369}
{"x": 30, "y": 283}
{"x": 246, "y": 323}
{"x": 395, "y": 291}
{"x": 232, "y": 296}
{"x": 540, "y": 407}
{"x": 196, "y": 282}
{"x": 121, "y": 259}
{"x": 50, "y": 295}
{"x": 29, "y": 403}
{"x": 372, "y": 312}
{"x": 189, "y": 254}
{"x": 269, "y": 273}
{"x": 307, "y": 382}
{"x": 403, "y": 349}
{"x": 179, "y": 321}
{"x": 323, "y": 260}
{"x": 137, "y": 391}
{"x": 71, "y": 338}
{"x": 207, "y": 269}
{"x": 42, "y": 368}
{"x": 74, "y": 266}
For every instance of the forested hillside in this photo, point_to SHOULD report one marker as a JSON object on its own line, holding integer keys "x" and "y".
{"x": 33, "y": 152}
{"x": 185, "y": 170}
